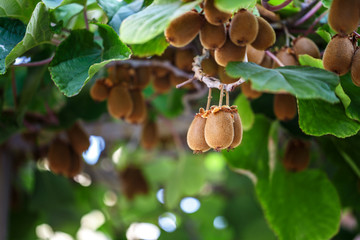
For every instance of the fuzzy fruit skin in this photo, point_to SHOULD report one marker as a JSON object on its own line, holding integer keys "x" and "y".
{"x": 183, "y": 30}
{"x": 159, "y": 71}
{"x": 224, "y": 77}
{"x": 355, "y": 68}
{"x": 99, "y": 91}
{"x": 79, "y": 139}
{"x": 254, "y": 55}
{"x": 297, "y": 155}
{"x": 149, "y": 135}
{"x": 338, "y": 55}
{"x": 219, "y": 129}
{"x": 214, "y": 15}
{"x": 212, "y": 36}
{"x": 59, "y": 157}
{"x": 133, "y": 182}
{"x": 209, "y": 66}
{"x": 266, "y": 35}
{"x": 284, "y": 107}
{"x": 248, "y": 91}
{"x": 229, "y": 53}
{"x": 142, "y": 78}
{"x": 139, "y": 112}
{"x": 184, "y": 59}
{"x": 286, "y": 56}
{"x": 243, "y": 28}
{"x": 162, "y": 84}
{"x": 76, "y": 164}
{"x": 267, "y": 62}
{"x": 238, "y": 130}
{"x": 195, "y": 135}
{"x": 305, "y": 45}
{"x": 344, "y": 16}
{"x": 119, "y": 102}
{"x": 267, "y": 14}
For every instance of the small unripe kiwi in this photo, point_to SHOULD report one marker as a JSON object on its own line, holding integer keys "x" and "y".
{"x": 219, "y": 128}
{"x": 78, "y": 138}
{"x": 267, "y": 62}
{"x": 304, "y": 45}
{"x": 133, "y": 182}
{"x": 214, "y": 15}
{"x": 355, "y": 68}
{"x": 266, "y": 35}
{"x": 344, "y": 16}
{"x": 182, "y": 30}
{"x": 209, "y": 66}
{"x": 254, "y": 55}
{"x": 142, "y": 78}
{"x": 212, "y": 36}
{"x": 139, "y": 111}
{"x": 99, "y": 91}
{"x": 286, "y": 56}
{"x": 243, "y": 28}
{"x": 229, "y": 53}
{"x": 224, "y": 77}
{"x": 238, "y": 130}
{"x": 184, "y": 59}
{"x": 162, "y": 84}
{"x": 119, "y": 102}
{"x": 149, "y": 135}
{"x": 59, "y": 156}
{"x": 196, "y": 136}
{"x": 338, "y": 55}
{"x": 248, "y": 91}
{"x": 284, "y": 107}
{"x": 297, "y": 155}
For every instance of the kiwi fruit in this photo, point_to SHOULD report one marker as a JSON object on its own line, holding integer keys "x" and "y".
{"x": 338, "y": 55}
{"x": 355, "y": 68}
{"x": 182, "y": 30}
{"x": 284, "y": 107}
{"x": 304, "y": 45}
{"x": 133, "y": 182}
{"x": 344, "y": 16}
{"x": 267, "y": 62}
{"x": 229, "y": 52}
{"x": 59, "y": 156}
{"x": 286, "y": 56}
{"x": 75, "y": 164}
{"x": 122, "y": 76}
{"x": 254, "y": 55}
{"x": 243, "y": 28}
{"x": 238, "y": 130}
{"x": 162, "y": 84}
{"x": 297, "y": 155}
{"x": 78, "y": 138}
{"x": 159, "y": 71}
{"x": 142, "y": 78}
{"x": 219, "y": 128}
{"x": 119, "y": 102}
{"x": 224, "y": 77}
{"x": 209, "y": 66}
{"x": 212, "y": 36}
{"x": 184, "y": 59}
{"x": 214, "y": 15}
{"x": 139, "y": 111}
{"x": 99, "y": 91}
{"x": 267, "y": 14}
{"x": 266, "y": 35}
{"x": 248, "y": 91}
{"x": 195, "y": 135}
{"x": 149, "y": 135}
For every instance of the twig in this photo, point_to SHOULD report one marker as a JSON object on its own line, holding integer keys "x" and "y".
{"x": 288, "y": 35}
{"x": 85, "y": 17}
{"x": 357, "y": 34}
{"x": 185, "y": 82}
{"x": 275, "y": 8}
{"x": 309, "y": 14}
{"x": 193, "y": 96}
{"x": 274, "y": 58}
{"x": 227, "y": 98}
{"x": 317, "y": 20}
{"x": 208, "y": 100}
{"x": 35, "y": 64}
{"x": 221, "y": 95}
{"x": 13, "y": 86}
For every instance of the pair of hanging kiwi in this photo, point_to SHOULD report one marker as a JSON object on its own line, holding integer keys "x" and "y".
{"x": 297, "y": 155}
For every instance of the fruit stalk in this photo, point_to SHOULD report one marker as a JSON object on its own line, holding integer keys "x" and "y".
{"x": 308, "y": 14}
{"x": 274, "y": 58}
{"x": 208, "y": 100}
{"x": 275, "y": 8}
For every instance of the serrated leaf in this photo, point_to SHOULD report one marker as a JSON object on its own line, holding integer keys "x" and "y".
{"x": 232, "y": 6}
{"x": 303, "y": 82}
{"x": 351, "y": 101}
{"x": 152, "y": 21}
{"x": 318, "y": 118}
{"x": 246, "y": 114}
{"x": 20, "y": 9}
{"x": 155, "y": 46}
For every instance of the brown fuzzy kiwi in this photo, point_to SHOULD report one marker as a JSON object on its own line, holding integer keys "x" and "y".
{"x": 219, "y": 128}
{"x": 238, "y": 130}
{"x": 248, "y": 91}
{"x": 224, "y": 77}
{"x": 267, "y": 62}
{"x": 142, "y": 78}
{"x": 254, "y": 55}
{"x": 159, "y": 71}
{"x": 284, "y": 107}
{"x": 266, "y": 36}
{"x": 79, "y": 139}
{"x": 76, "y": 164}
{"x": 133, "y": 182}
{"x": 195, "y": 135}
{"x": 59, "y": 156}
{"x": 228, "y": 53}
{"x": 355, "y": 68}
{"x": 338, "y": 55}
{"x": 119, "y": 102}
{"x": 99, "y": 91}
{"x": 184, "y": 59}
{"x": 209, "y": 66}
{"x": 212, "y": 36}
{"x": 344, "y": 16}
{"x": 243, "y": 28}
{"x": 286, "y": 56}
{"x": 304, "y": 45}
{"x": 214, "y": 15}
{"x": 123, "y": 75}
{"x": 267, "y": 14}
{"x": 297, "y": 155}
{"x": 139, "y": 112}
{"x": 162, "y": 84}
{"x": 149, "y": 135}
{"x": 182, "y": 30}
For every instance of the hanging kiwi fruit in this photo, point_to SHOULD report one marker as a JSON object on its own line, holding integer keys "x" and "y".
{"x": 214, "y": 15}
{"x": 248, "y": 91}
{"x": 238, "y": 130}
{"x": 266, "y": 35}
{"x": 99, "y": 91}
{"x": 286, "y": 56}
{"x": 244, "y": 28}
{"x": 149, "y": 135}
{"x": 355, "y": 68}
{"x": 304, "y": 45}
{"x": 297, "y": 155}
{"x": 139, "y": 111}
{"x": 79, "y": 139}
{"x": 229, "y": 52}
{"x": 195, "y": 135}
{"x": 344, "y": 16}
{"x": 119, "y": 103}
{"x": 212, "y": 36}
{"x": 284, "y": 106}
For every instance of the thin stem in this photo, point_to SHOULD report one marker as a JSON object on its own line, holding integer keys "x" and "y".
{"x": 317, "y": 20}
{"x": 13, "y": 86}
{"x": 357, "y": 34}
{"x": 227, "y": 98}
{"x": 275, "y": 8}
{"x": 309, "y": 14}
{"x": 351, "y": 163}
{"x": 35, "y": 64}
{"x": 274, "y": 58}
{"x": 208, "y": 100}
{"x": 221, "y": 95}
{"x": 185, "y": 82}
{"x": 86, "y": 18}
{"x": 288, "y": 35}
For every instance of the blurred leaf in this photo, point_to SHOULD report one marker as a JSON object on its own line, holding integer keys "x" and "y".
{"x": 155, "y": 46}
{"x": 67, "y": 13}
{"x": 58, "y": 3}
{"x": 326, "y": 3}
{"x": 351, "y": 101}
{"x": 20, "y": 9}
{"x": 232, "y": 6}
{"x": 246, "y": 114}
{"x": 307, "y": 60}
{"x": 170, "y": 105}
{"x": 8, "y": 126}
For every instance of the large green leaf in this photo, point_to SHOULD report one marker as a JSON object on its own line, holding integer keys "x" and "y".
{"x": 300, "y": 206}
{"x": 155, "y": 46}
{"x": 351, "y": 101}
{"x": 58, "y": 3}
{"x": 232, "y": 6}
{"x": 246, "y": 113}
{"x": 12, "y": 32}
{"x": 20, "y": 9}
{"x": 75, "y": 64}
{"x": 303, "y": 82}
{"x": 319, "y": 118}
{"x": 150, "y": 22}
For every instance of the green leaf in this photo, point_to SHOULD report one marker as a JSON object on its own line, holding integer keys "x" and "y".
{"x": 170, "y": 105}
{"x": 325, "y": 32}
{"x": 303, "y": 82}
{"x": 351, "y": 101}
{"x": 232, "y": 6}
{"x": 152, "y": 21}
{"x": 87, "y": 56}
{"x": 307, "y": 60}
{"x": 20, "y": 9}
{"x": 300, "y": 206}
{"x": 58, "y": 3}
{"x": 326, "y": 3}
{"x": 155, "y": 46}
{"x": 12, "y": 32}
{"x": 319, "y": 118}
{"x": 246, "y": 114}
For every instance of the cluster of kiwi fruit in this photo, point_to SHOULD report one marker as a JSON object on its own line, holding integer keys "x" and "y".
{"x": 341, "y": 54}
{"x": 297, "y": 155}
{"x": 133, "y": 182}
{"x": 218, "y": 128}
{"x": 64, "y": 156}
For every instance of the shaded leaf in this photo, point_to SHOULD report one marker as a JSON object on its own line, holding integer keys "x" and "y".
{"x": 232, "y": 6}
{"x": 246, "y": 114}
{"x": 351, "y": 101}
{"x": 20, "y": 9}
{"x": 58, "y": 3}
{"x": 155, "y": 46}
